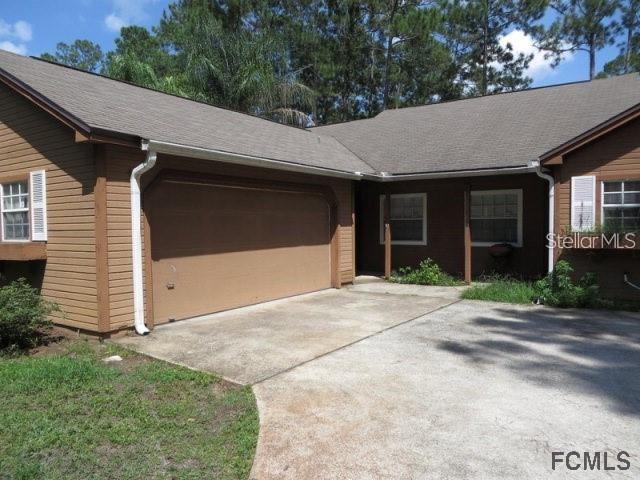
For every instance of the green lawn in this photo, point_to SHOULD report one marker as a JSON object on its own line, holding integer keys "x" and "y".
{"x": 501, "y": 290}
{"x": 71, "y": 416}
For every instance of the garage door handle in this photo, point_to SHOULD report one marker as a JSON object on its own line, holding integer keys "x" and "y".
{"x": 171, "y": 286}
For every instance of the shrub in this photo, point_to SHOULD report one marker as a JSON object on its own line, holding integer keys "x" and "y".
{"x": 427, "y": 273}
{"x": 557, "y": 289}
{"x": 23, "y": 316}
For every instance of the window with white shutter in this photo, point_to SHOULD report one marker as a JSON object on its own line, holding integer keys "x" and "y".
{"x": 583, "y": 206}
{"x": 38, "y": 206}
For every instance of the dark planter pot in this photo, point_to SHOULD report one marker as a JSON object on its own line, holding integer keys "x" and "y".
{"x": 500, "y": 250}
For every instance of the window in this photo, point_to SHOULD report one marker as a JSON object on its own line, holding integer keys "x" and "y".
{"x": 621, "y": 206}
{"x": 407, "y": 217}
{"x": 496, "y": 217}
{"x": 15, "y": 211}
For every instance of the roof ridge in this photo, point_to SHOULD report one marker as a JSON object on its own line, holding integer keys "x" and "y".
{"x": 124, "y": 82}
{"x": 478, "y": 97}
{"x": 524, "y": 90}
{"x": 352, "y": 153}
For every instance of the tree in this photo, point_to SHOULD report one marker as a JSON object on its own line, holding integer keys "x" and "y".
{"x": 82, "y": 54}
{"x": 474, "y": 31}
{"x": 232, "y": 66}
{"x": 363, "y": 56}
{"x": 582, "y": 25}
{"x": 629, "y": 58}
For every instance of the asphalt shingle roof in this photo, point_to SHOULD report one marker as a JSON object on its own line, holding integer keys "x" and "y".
{"x": 498, "y": 131}
{"x": 505, "y": 130}
{"x": 115, "y": 106}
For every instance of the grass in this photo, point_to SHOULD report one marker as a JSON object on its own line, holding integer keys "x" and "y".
{"x": 501, "y": 290}
{"x": 71, "y": 416}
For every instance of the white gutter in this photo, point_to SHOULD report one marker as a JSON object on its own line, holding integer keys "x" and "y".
{"x": 386, "y": 177}
{"x": 552, "y": 188}
{"x": 136, "y": 238}
{"x": 626, "y": 280}
{"x": 249, "y": 160}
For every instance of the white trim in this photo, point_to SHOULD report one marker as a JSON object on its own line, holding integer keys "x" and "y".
{"x": 518, "y": 192}
{"x": 240, "y": 159}
{"x": 252, "y": 160}
{"x": 388, "y": 177}
{"x": 622, "y": 205}
{"x": 593, "y": 201}
{"x": 136, "y": 240}
{"x": 423, "y": 242}
{"x": 34, "y": 205}
{"x": 2, "y": 211}
{"x": 552, "y": 207}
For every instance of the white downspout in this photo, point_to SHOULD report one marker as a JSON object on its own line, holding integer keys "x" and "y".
{"x": 136, "y": 239}
{"x": 552, "y": 188}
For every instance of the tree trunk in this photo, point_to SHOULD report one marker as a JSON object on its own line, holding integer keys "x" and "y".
{"x": 485, "y": 49}
{"x": 387, "y": 66}
{"x": 627, "y": 51}
{"x": 592, "y": 56}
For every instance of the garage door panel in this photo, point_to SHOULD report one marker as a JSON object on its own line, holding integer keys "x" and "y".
{"x": 234, "y": 247}
{"x": 235, "y": 219}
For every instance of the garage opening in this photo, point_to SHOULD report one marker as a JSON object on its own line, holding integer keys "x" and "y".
{"x": 216, "y": 246}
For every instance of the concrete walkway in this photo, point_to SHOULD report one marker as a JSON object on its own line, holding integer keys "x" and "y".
{"x": 465, "y": 390}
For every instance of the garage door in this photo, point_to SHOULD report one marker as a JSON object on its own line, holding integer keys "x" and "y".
{"x": 219, "y": 247}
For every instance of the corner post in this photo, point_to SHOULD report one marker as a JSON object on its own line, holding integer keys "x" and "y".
{"x": 101, "y": 236}
{"x": 467, "y": 234}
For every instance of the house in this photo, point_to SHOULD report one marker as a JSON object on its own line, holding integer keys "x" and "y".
{"x": 130, "y": 207}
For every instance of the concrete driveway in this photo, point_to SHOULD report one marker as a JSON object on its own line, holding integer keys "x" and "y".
{"x": 387, "y": 381}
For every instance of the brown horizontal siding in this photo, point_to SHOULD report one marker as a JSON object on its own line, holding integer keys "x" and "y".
{"x": 122, "y": 160}
{"x": 445, "y": 226}
{"x": 615, "y": 156}
{"x": 32, "y": 140}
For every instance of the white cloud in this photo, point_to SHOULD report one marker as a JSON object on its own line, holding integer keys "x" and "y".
{"x": 23, "y": 30}
{"x": 539, "y": 67}
{"x": 126, "y": 12}
{"x": 15, "y": 35}
{"x": 114, "y": 22}
{"x": 20, "y": 49}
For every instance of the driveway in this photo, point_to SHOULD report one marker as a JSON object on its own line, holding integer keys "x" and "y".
{"x": 383, "y": 381}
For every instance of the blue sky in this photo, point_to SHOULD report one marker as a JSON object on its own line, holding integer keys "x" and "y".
{"x": 32, "y": 27}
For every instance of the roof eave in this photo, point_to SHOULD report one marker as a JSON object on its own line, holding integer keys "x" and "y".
{"x": 43, "y": 102}
{"x": 556, "y": 155}
{"x": 387, "y": 177}
{"x": 176, "y": 149}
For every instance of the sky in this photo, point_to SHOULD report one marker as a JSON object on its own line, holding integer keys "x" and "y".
{"x": 32, "y": 27}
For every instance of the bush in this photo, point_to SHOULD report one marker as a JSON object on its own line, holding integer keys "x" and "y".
{"x": 427, "y": 273}
{"x": 23, "y": 316}
{"x": 557, "y": 289}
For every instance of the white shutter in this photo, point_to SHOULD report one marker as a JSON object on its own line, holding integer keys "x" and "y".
{"x": 583, "y": 203}
{"x": 38, "y": 189}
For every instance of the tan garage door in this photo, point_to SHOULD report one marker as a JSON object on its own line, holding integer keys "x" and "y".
{"x": 217, "y": 247}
